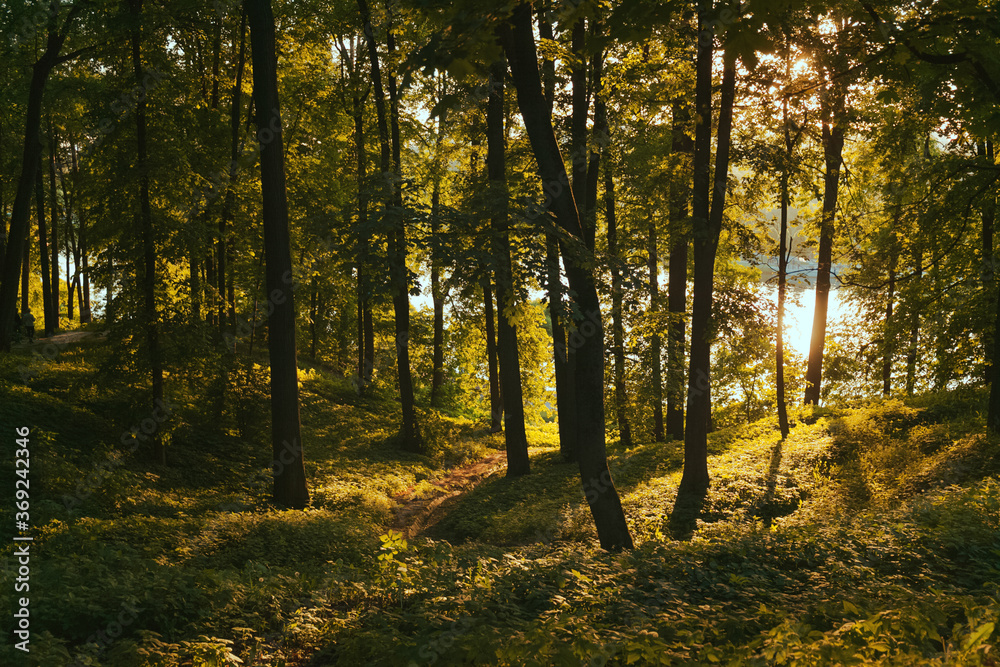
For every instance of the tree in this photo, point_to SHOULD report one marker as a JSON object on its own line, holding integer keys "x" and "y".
{"x": 286, "y": 438}
{"x": 17, "y": 233}
{"x": 510, "y": 365}
{"x": 605, "y": 505}
{"x": 707, "y": 209}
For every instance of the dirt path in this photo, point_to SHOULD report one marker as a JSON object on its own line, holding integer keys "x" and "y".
{"x": 62, "y": 339}
{"x": 417, "y": 514}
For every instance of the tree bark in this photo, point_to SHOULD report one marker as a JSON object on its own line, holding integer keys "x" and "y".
{"x": 681, "y": 147}
{"x": 398, "y": 278}
{"x": 833, "y": 146}
{"x": 888, "y": 349}
{"x": 617, "y": 325}
{"x": 289, "y": 479}
{"x": 565, "y": 387}
{"x": 43, "y": 256}
{"x": 144, "y": 221}
{"x": 707, "y": 220}
{"x": 54, "y": 207}
{"x": 17, "y": 235}
{"x": 496, "y": 397}
{"x": 437, "y": 293}
{"x": 783, "y": 253}
{"x": 911, "y": 355}
{"x": 655, "y": 344}
{"x": 227, "y": 309}
{"x": 510, "y": 366}
{"x": 437, "y": 297}
{"x": 598, "y": 486}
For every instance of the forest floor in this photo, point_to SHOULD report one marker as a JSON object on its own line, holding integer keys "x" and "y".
{"x": 870, "y": 536}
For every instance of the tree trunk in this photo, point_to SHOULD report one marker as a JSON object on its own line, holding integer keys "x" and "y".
{"x": 391, "y": 172}
{"x": 888, "y": 349}
{"x": 565, "y": 389}
{"x": 43, "y": 256}
{"x": 911, "y": 355}
{"x": 366, "y": 332}
{"x": 496, "y": 398}
{"x": 617, "y": 326}
{"x": 655, "y": 349}
{"x": 289, "y": 478}
{"x": 707, "y": 227}
{"x": 993, "y": 414}
{"x": 144, "y": 221}
{"x": 510, "y": 365}
{"x": 313, "y": 315}
{"x": 783, "y": 253}
{"x": 437, "y": 371}
{"x": 437, "y": 294}
{"x": 227, "y": 309}
{"x": 681, "y": 147}
{"x": 54, "y": 207}
{"x": 17, "y": 235}
{"x": 598, "y": 486}
{"x": 26, "y": 279}
{"x": 833, "y": 146}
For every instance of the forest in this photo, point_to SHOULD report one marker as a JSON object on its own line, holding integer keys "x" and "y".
{"x": 533, "y": 332}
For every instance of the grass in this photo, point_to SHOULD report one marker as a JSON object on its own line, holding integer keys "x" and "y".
{"x": 870, "y": 536}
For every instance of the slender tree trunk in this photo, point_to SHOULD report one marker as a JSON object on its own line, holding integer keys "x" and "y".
{"x": 707, "y": 227}
{"x": 54, "y": 207}
{"x": 598, "y": 486}
{"x": 289, "y": 479}
{"x": 313, "y": 316}
{"x": 681, "y": 147}
{"x": 833, "y": 145}
{"x": 398, "y": 273}
{"x": 390, "y": 164}
{"x": 437, "y": 296}
{"x": 226, "y": 307}
{"x": 144, "y": 220}
{"x": 496, "y": 398}
{"x": 911, "y": 355}
{"x": 617, "y": 326}
{"x": 366, "y": 332}
{"x": 655, "y": 345}
{"x": 783, "y": 253}
{"x": 989, "y": 265}
{"x": 43, "y": 256}
{"x": 510, "y": 365}
{"x": 888, "y": 349}
{"x": 565, "y": 390}
{"x": 993, "y": 414}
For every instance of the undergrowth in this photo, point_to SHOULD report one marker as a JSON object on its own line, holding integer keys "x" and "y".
{"x": 870, "y": 536}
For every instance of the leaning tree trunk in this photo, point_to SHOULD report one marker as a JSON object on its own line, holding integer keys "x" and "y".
{"x": 289, "y": 472}
{"x": 833, "y": 145}
{"x": 510, "y": 364}
{"x": 598, "y": 486}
